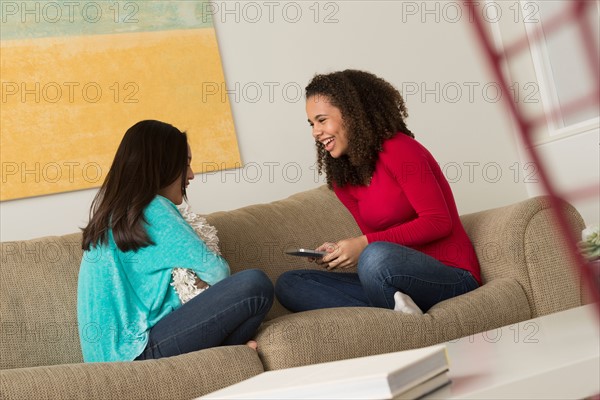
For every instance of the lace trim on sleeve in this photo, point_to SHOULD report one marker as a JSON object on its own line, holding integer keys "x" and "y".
{"x": 184, "y": 279}
{"x": 184, "y": 283}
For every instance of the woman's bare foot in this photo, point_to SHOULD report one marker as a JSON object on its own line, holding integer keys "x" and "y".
{"x": 252, "y": 344}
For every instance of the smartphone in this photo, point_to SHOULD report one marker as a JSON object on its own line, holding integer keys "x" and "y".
{"x": 306, "y": 253}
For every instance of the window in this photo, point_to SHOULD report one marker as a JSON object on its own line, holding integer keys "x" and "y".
{"x": 561, "y": 65}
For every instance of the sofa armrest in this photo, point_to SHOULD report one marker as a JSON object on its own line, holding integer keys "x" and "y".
{"x": 182, "y": 377}
{"x": 522, "y": 241}
{"x": 340, "y": 333}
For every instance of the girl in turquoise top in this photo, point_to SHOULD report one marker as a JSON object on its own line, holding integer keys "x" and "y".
{"x": 126, "y": 306}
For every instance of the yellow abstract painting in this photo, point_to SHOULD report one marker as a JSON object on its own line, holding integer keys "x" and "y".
{"x": 69, "y": 95}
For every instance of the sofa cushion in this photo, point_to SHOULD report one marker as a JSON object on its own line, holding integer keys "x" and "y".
{"x": 257, "y": 236}
{"x": 38, "y": 302}
{"x": 340, "y": 333}
{"x": 182, "y": 377}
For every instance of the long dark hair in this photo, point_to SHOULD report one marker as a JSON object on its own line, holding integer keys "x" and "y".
{"x": 372, "y": 111}
{"x": 151, "y": 156}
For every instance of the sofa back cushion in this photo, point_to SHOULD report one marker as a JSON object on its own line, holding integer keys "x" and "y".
{"x": 38, "y": 302}
{"x": 257, "y": 236}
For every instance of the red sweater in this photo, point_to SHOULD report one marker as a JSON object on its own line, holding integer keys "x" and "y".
{"x": 409, "y": 202}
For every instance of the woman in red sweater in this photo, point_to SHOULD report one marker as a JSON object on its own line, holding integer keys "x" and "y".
{"x": 414, "y": 251}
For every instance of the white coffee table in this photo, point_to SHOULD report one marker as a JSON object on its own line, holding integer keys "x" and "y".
{"x": 552, "y": 357}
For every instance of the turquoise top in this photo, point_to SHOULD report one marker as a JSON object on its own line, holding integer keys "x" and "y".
{"x": 121, "y": 295}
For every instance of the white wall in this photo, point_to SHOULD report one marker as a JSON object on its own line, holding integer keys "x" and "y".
{"x": 433, "y": 57}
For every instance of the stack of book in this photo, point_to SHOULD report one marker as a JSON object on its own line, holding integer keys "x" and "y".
{"x": 402, "y": 375}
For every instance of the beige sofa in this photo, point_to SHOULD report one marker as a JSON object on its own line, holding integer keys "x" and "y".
{"x": 525, "y": 269}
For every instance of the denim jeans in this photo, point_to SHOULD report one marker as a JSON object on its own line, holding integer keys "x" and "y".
{"x": 227, "y": 313}
{"x": 383, "y": 269}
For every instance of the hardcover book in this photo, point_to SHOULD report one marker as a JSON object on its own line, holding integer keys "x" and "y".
{"x": 406, "y": 374}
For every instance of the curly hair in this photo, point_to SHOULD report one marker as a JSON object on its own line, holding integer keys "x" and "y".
{"x": 372, "y": 111}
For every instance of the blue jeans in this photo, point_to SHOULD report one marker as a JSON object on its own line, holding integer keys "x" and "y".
{"x": 383, "y": 269}
{"x": 227, "y": 313}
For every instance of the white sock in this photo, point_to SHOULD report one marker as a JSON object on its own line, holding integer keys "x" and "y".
{"x": 405, "y": 304}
